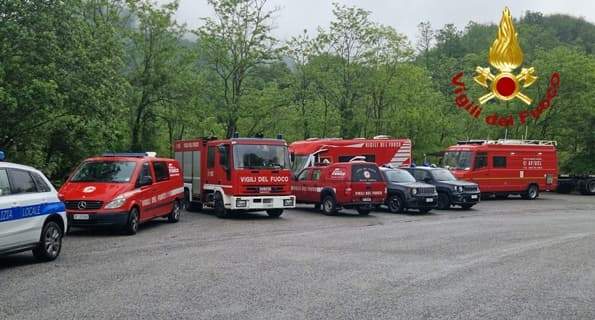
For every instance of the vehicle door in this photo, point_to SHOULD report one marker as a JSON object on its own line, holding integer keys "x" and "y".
{"x": 147, "y": 196}
{"x": 299, "y": 185}
{"x": 481, "y": 172}
{"x": 500, "y": 174}
{"x": 313, "y": 186}
{"x": 161, "y": 188}
{"x": 21, "y": 207}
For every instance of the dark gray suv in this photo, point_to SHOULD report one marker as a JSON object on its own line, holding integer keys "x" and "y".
{"x": 450, "y": 190}
{"x": 405, "y": 193}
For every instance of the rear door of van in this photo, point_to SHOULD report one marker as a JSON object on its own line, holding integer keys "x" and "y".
{"x": 367, "y": 183}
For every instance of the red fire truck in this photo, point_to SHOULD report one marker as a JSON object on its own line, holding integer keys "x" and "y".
{"x": 381, "y": 150}
{"x": 504, "y": 167}
{"x": 236, "y": 175}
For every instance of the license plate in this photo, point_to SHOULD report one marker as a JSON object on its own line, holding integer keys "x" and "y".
{"x": 80, "y": 216}
{"x": 473, "y": 196}
{"x": 429, "y": 199}
{"x": 366, "y": 199}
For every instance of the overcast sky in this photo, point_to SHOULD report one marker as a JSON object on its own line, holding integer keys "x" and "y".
{"x": 297, "y": 15}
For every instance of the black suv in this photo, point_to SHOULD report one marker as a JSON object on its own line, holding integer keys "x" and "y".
{"x": 405, "y": 193}
{"x": 450, "y": 190}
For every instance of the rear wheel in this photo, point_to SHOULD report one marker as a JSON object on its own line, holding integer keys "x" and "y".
{"x": 588, "y": 187}
{"x": 50, "y": 242}
{"x": 220, "y": 210}
{"x": 275, "y": 213}
{"x": 443, "y": 201}
{"x": 532, "y": 192}
{"x": 174, "y": 215}
{"x": 395, "y": 203}
{"x": 133, "y": 222}
{"x": 329, "y": 205}
{"x": 363, "y": 210}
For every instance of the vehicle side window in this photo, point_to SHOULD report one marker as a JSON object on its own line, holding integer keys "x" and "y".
{"x": 161, "y": 171}
{"x": 21, "y": 182}
{"x": 211, "y": 157}
{"x": 224, "y": 156}
{"x": 315, "y": 175}
{"x": 42, "y": 186}
{"x": 145, "y": 172}
{"x": 499, "y": 161}
{"x": 303, "y": 175}
{"x": 481, "y": 160}
{"x": 4, "y": 184}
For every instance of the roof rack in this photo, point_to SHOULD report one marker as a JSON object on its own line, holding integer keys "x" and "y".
{"x": 130, "y": 154}
{"x": 511, "y": 142}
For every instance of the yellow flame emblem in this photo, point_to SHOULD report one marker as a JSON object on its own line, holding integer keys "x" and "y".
{"x": 505, "y": 55}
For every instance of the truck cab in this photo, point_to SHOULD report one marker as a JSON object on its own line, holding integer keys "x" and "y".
{"x": 237, "y": 175}
{"x": 357, "y": 184}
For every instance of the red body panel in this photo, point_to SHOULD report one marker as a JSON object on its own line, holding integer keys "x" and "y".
{"x": 338, "y": 178}
{"x": 154, "y": 200}
{"x": 381, "y": 151}
{"x": 524, "y": 164}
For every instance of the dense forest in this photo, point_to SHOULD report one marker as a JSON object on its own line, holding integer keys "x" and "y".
{"x": 81, "y": 77}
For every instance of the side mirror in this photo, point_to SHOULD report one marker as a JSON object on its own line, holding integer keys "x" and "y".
{"x": 145, "y": 181}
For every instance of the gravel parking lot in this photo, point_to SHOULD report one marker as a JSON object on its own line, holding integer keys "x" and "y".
{"x": 501, "y": 260}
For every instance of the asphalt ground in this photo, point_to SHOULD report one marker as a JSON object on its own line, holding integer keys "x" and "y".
{"x": 503, "y": 259}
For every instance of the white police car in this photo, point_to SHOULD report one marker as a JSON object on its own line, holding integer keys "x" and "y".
{"x": 31, "y": 215}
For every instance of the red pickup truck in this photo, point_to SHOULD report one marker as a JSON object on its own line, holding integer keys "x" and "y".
{"x": 357, "y": 185}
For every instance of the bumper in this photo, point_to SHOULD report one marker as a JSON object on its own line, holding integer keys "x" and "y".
{"x": 421, "y": 202}
{"x": 94, "y": 219}
{"x": 465, "y": 198}
{"x": 261, "y": 203}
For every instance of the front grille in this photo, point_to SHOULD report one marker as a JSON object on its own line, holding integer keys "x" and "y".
{"x": 470, "y": 188}
{"x": 426, "y": 190}
{"x": 83, "y": 205}
{"x": 264, "y": 189}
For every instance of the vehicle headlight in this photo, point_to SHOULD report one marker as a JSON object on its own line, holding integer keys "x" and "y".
{"x": 116, "y": 203}
{"x": 241, "y": 203}
{"x": 414, "y": 191}
{"x": 459, "y": 189}
{"x": 288, "y": 202}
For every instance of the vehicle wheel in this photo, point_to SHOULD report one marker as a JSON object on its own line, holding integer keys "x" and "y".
{"x": 424, "y": 210}
{"x": 174, "y": 215}
{"x": 275, "y": 213}
{"x": 133, "y": 222}
{"x": 50, "y": 242}
{"x": 467, "y": 206}
{"x": 443, "y": 201}
{"x": 502, "y": 196}
{"x": 363, "y": 210}
{"x": 395, "y": 203}
{"x": 329, "y": 206}
{"x": 588, "y": 187}
{"x": 532, "y": 192}
{"x": 220, "y": 210}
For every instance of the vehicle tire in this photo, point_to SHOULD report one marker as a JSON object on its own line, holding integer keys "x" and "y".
{"x": 176, "y": 211}
{"x": 220, "y": 210}
{"x": 588, "y": 187}
{"x": 131, "y": 227}
{"x": 395, "y": 204}
{"x": 329, "y": 205}
{"x": 424, "y": 210}
{"x": 274, "y": 213}
{"x": 467, "y": 206}
{"x": 502, "y": 196}
{"x": 363, "y": 211}
{"x": 443, "y": 201}
{"x": 532, "y": 192}
{"x": 50, "y": 242}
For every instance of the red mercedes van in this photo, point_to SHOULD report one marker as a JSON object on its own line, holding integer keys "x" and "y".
{"x": 123, "y": 190}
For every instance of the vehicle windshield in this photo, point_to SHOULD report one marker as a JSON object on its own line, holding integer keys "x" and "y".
{"x": 399, "y": 176}
{"x": 457, "y": 159}
{"x": 299, "y": 162}
{"x": 251, "y": 156}
{"x": 443, "y": 175}
{"x": 104, "y": 171}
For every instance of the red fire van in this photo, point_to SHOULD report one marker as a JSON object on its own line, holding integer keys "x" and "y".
{"x": 504, "y": 167}
{"x": 123, "y": 190}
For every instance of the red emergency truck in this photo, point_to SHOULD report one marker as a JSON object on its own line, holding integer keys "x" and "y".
{"x": 504, "y": 167}
{"x": 381, "y": 150}
{"x": 236, "y": 175}
{"x": 123, "y": 190}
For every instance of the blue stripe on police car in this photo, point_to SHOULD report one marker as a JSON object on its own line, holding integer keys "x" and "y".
{"x": 31, "y": 211}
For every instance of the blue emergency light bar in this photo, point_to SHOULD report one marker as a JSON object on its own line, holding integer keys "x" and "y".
{"x": 130, "y": 154}
{"x": 2, "y": 156}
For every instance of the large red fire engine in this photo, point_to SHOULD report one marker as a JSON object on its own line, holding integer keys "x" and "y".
{"x": 381, "y": 150}
{"x": 504, "y": 167}
{"x": 236, "y": 175}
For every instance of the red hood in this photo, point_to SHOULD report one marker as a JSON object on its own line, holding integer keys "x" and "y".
{"x": 92, "y": 191}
